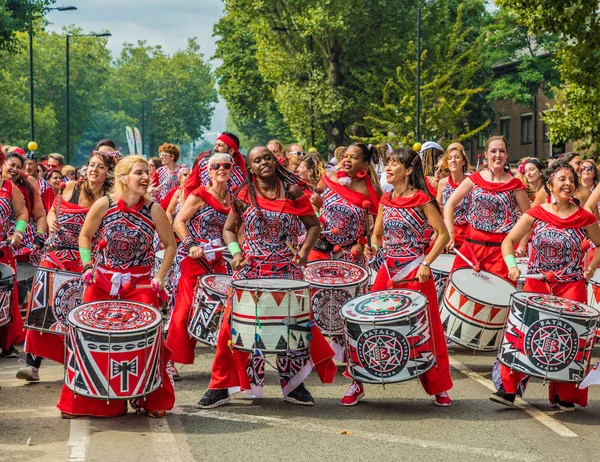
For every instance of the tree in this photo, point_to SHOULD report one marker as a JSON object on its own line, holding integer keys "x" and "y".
{"x": 18, "y": 16}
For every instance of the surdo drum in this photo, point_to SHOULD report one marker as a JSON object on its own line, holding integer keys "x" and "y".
{"x": 440, "y": 272}
{"x": 7, "y": 283}
{"x": 549, "y": 337}
{"x": 114, "y": 349}
{"x": 53, "y": 294}
{"x": 210, "y": 299}
{"x": 594, "y": 294}
{"x": 332, "y": 284}
{"x": 270, "y": 315}
{"x": 387, "y": 336}
{"x": 474, "y": 309}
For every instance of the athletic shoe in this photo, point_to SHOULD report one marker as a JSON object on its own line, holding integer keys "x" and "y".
{"x": 354, "y": 393}
{"x": 508, "y": 399}
{"x": 442, "y": 399}
{"x": 64, "y": 415}
{"x": 157, "y": 414}
{"x": 563, "y": 405}
{"x": 29, "y": 373}
{"x": 12, "y": 352}
{"x": 300, "y": 395}
{"x": 214, "y": 398}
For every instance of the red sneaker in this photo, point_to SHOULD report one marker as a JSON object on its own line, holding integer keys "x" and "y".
{"x": 442, "y": 399}
{"x": 354, "y": 394}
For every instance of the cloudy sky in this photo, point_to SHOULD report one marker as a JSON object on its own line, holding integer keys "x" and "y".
{"x": 168, "y": 23}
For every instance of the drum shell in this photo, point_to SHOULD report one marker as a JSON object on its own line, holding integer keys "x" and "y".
{"x": 277, "y": 322}
{"x": 390, "y": 351}
{"x": 113, "y": 364}
{"x": 329, "y": 294}
{"x": 7, "y": 284}
{"x": 545, "y": 343}
{"x": 207, "y": 311}
{"x": 594, "y": 296}
{"x": 471, "y": 322}
{"x": 440, "y": 272}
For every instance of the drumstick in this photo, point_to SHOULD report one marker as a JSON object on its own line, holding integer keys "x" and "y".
{"x": 478, "y": 159}
{"x": 335, "y": 231}
{"x": 61, "y": 187}
{"x": 162, "y": 293}
{"x": 283, "y": 237}
{"x": 549, "y": 276}
{"x": 475, "y": 268}
{"x": 391, "y": 283}
{"x": 218, "y": 249}
{"x": 367, "y": 205}
{"x": 337, "y": 249}
{"x": 101, "y": 246}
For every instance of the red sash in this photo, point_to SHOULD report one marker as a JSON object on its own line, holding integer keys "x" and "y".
{"x": 355, "y": 197}
{"x": 300, "y": 207}
{"x": 207, "y": 197}
{"x": 579, "y": 219}
{"x": 418, "y": 199}
{"x": 511, "y": 185}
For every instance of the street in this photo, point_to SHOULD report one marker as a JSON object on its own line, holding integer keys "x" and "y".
{"x": 398, "y": 422}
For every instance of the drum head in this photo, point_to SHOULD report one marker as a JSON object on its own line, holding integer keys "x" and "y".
{"x": 482, "y": 287}
{"x": 595, "y": 279}
{"x": 114, "y": 316}
{"x": 270, "y": 285}
{"x": 6, "y": 274}
{"x": 558, "y": 305}
{"x": 160, "y": 255}
{"x": 338, "y": 273}
{"x": 218, "y": 283}
{"x": 443, "y": 263}
{"x": 384, "y": 305}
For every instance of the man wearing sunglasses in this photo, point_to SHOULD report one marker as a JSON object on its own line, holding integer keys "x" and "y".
{"x": 295, "y": 153}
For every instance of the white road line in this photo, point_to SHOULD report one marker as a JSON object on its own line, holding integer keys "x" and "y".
{"x": 395, "y": 439}
{"x": 79, "y": 439}
{"x": 534, "y": 412}
{"x": 166, "y": 446}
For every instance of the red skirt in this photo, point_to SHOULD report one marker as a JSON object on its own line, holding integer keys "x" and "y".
{"x": 486, "y": 248}
{"x": 13, "y": 333}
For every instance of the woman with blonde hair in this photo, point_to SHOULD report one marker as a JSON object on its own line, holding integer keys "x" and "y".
{"x": 127, "y": 220}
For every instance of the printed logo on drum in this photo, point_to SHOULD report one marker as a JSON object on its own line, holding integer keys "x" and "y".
{"x": 326, "y": 308}
{"x": 383, "y": 352}
{"x": 383, "y": 304}
{"x": 558, "y": 303}
{"x": 551, "y": 344}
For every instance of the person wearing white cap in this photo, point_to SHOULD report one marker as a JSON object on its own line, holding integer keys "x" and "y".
{"x": 431, "y": 152}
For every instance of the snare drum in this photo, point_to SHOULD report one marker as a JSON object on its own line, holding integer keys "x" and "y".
{"x": 440, "y": 272}
{"x": 114, "y": 349}
{"x": 387, "y": 336}
{"x": 53, "y": 294}
{"x": 332, "y": 284}
{"x": 270, "y": 315}
{"x": 522, "y": 264}
{"x": 474, "y": 309}
{"x": 210, "y": 298}
{"x": 594, "y": 294}
{"x": 549, "y": 337}
{"x": 7, "y": 284}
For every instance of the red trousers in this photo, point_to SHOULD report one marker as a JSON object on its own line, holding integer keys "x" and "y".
{"x": 13, "y": 333}
{"x": 162, "y": 399}
{"x": 489, "y": 256}
{"x": 566, "y": 391}
{"x": 179, "y": 340}
{"x": 437, "y": 379}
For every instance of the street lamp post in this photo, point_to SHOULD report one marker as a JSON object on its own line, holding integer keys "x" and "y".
{"x": 31, "y": 99}
{"x": 149, "y": 101}
{"x": 418, "y": 122}
{"x": 68, "y": 110}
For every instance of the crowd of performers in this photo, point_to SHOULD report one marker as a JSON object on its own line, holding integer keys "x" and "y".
{"x": 394, "y": 211}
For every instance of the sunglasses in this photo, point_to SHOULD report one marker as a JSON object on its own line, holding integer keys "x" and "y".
{"x": 217, "y": 166}
{"x": 164, "y": 154}
{"x": 298, "y": 153}
{"x": 588, "y": 168}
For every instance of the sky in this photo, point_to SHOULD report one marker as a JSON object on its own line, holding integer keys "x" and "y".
{"x": 168, "y": 23}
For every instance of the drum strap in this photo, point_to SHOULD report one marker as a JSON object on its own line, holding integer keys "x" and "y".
{"x": 484, "y": 243}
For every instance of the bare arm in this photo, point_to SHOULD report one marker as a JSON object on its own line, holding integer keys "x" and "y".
{"x": 92, "y": 222}
{"x": 520, "y": 230}
{"x": 191, "y": 205}
{"x": 593, "y": 233}
{"x": 377, "y": 235}
{"x": 441, "y": 186}
{"x": 230, "y": 234}
{"x": 591, "y": 205}
{"x": 540, "y": 197}
{"x": 172, "y": 207}
{"x": 163, "y": 227}
{"x": 19, "y": 211}
{"x": 437, "y": 222}
{"x": 453, "y": 201}
{"x": 523, "y": 203}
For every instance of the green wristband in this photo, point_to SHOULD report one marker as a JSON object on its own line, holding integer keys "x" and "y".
{"x": 85, "y": 255}
{"x": 234, "y": 248}
{"x": 21, "y": 225}
{"x": 510, "y": 261}
{"x": 317, "y": 214}
{"x": 375, "y": 246}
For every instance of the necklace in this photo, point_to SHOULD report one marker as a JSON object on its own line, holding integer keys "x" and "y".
{"x": 404, "y": 192}
{"x": 264, "y": 195}
{"x": 223, "y": 198}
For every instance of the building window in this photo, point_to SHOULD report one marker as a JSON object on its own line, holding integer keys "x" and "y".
{"x": 526, "y": 129}
{"x": 546, "y": 131}
{"x": 505, "y": 128}
{"x": 481, "y": 139}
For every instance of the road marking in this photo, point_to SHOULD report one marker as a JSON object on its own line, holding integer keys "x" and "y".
{"x": 395, "y": 439}
{"x": 49, "y": 411}
{"x": 165, "y": 445}
{"x": 534, "y": 412}
{"x": 79, "y": 439}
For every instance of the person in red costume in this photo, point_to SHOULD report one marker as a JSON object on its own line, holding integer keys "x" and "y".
{"x": 199, "y": 226}
{"x": 12, "y": 210}
{"x": 127, "y": 220}
{"x": 31, "y": 168}
{"x": 268, "y": 202}
{"x": 557, "y": 230}
{"x": 350, "y": 195}
{"x": 166, "y": 177}
{"x": 495, "y": 198}
{"x": 404, "y": 215}
{"x": 455, "y": 161}
{"x": 227, "y": 143}
{"x": 62, "y": 251}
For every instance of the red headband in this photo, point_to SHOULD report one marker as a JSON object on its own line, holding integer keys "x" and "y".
{"x": 228, "y": 141}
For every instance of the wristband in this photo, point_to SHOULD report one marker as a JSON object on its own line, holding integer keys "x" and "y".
{"x": 40, "y": 232}
{"x": 510, "y": 261}
{"x": 234, "y": 248}
{"x": 87, "y": 266}
{"x": 317, "y": 214}
{"x": 21, "y": 225}
{"x": 375, "y": 246}
{"x": 85, "y": 255}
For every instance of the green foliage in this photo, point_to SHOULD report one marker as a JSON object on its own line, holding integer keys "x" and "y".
{"x": 18, "y": 16}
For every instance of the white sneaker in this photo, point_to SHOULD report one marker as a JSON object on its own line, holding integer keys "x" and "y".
{"x": 29, "y": 373}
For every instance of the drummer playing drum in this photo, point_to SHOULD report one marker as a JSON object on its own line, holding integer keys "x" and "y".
{"x": 558, "y": 229}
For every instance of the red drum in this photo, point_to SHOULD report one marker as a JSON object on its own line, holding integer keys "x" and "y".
{"x": 7, "y": 283}
{"x": 332, "y": 284}
{"x": 210, "y": 299}
{"x": 53, "y": 294}
{"x": 114, "y": 349}
{"x": 387, "y": 336}
{"x": 549, "y": 337}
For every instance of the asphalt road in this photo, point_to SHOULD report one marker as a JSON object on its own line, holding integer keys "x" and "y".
{"x": 398, "y": 422}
